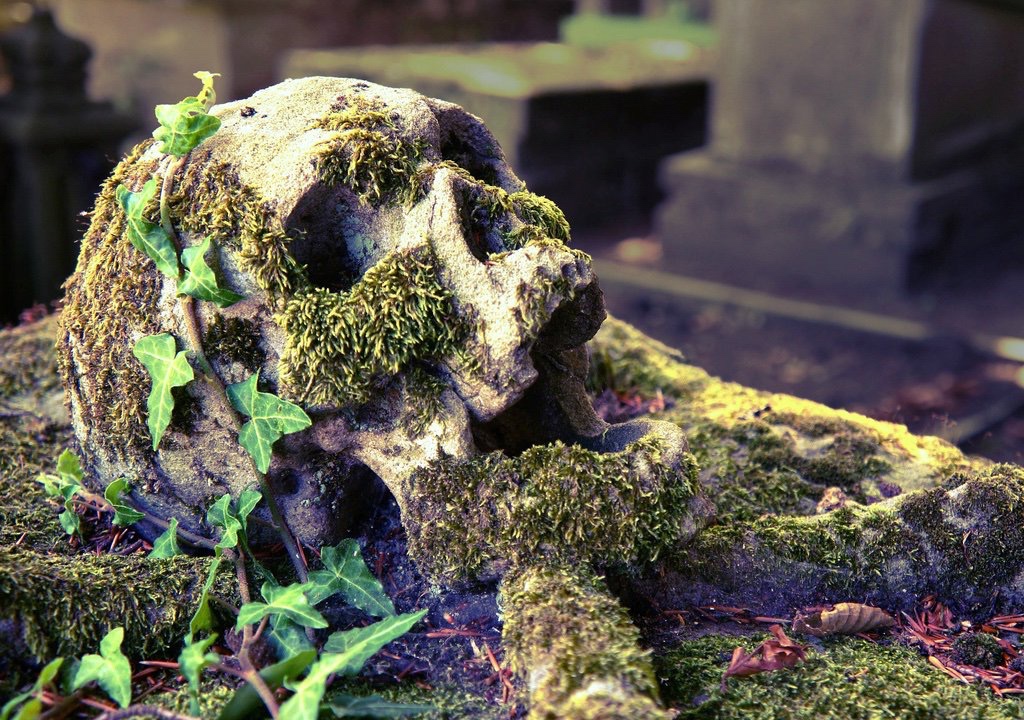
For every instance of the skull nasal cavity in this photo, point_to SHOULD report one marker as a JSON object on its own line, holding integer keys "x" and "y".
{"x": 319, "y": 229}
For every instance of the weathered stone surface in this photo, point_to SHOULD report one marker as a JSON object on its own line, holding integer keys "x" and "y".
{"x": 401, "y": 285}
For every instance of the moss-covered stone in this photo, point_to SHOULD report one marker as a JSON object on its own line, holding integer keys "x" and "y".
{"x": 341, "y": 345}
{"x": 977, "y": 648}
{"x": 109, "y": 301}
{"x": 846, "y": 679}
{"x": 556, "y": 502}
{"x": 962, "y": 544}
{"x": 761, "y": 452}
{"x": 368, "y": 153}
{"x": 64, "y": 605}
{"x": 577, "y": 647}
{"x": 29, "y": 364}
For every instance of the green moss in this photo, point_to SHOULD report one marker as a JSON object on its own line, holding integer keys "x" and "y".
{"x": 210, "y": 200}
{"x": 962, "y": 544}
{"x": 29, "y": 363}
{"x": 979, "y": 649}
{"x": 65, "y": 605}
{"x": 560, "y": 502}
{"x": 368, "y": 153}
{"x": 578, "y": 645}
{"x": 28, "y": 447}
{"x": 235, "y": 340}
{"x": 340, "y": 345}
{"x": 849, "y": 679}
{"x": 540, "y": 212}
{"x": 109, "y": 301}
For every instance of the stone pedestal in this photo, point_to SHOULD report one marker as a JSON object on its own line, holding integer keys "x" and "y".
{"x": 586, "y": 127}
{"x": 860, "y": 149}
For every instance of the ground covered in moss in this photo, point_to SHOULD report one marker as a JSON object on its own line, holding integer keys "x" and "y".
{"x": 761, "y": 457}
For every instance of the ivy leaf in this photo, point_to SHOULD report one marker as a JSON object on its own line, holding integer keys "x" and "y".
{"x": 199, "y": 280}
{"x": 32, "y": 708}
{"x": 187, "y": 123}
{"x": 372, "y": 706}
{"x": 193, "y": 659}
{"x": 270, "y": 417}
{"x": 168, "y": 369}
{"x": 354, "y": 650}
{"x": 346, "y": 572}
{"x": 287, "y": 637}
{"x": 148, "y": 237}
{"x": 166, "y": 545}
{"x": 359, "y": 644}
{"x": 64, "y": 486}
{"x": 110, "y": 669}
{"x": 202, "y": 619}
{"x": 123, "y": 514}
{"x": 289, "y": 601}
{"x": 232, "y": 522}
{"x": 247, "y": 502}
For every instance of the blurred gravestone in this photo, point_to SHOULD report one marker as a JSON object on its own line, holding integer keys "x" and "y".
{"x": 586, "y": 126}
{"x": 860, "y": 149}
{"x": 56, "y": 148}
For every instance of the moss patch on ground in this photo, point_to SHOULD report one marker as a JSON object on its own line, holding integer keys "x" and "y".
{"x": 844, "y": 679}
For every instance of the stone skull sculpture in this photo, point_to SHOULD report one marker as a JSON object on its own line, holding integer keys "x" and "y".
{"x": 405, "y": 289}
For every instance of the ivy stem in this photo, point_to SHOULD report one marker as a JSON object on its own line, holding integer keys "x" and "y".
{"x": 95, "y": 502}
{"x": 213, "y": 379}
{"x": 249, "y": 672}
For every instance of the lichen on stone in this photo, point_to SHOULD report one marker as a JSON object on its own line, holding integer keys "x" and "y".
{"x": 555, "y": 502}
{"x": 341, "y": 345}
{"x": 577, "y": 646}
{"x": 367, "y": 152}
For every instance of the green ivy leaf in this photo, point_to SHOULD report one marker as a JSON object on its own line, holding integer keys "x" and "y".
{"x": 32, "y": 708}
{"x": 360, "y": 644}
{"x": 123, "y": 514}
{"x": 187, "y": 123}
{"x": 193, "y": 659}
{"x": 232, "y": 522}
{"x": 289, "y": 601}
{"x": 346, "y": 572}
{"x": 64, "y": 486}
{"x": 148, "y": 237}
{"x": 354, "y": 648}
{"x": 270, "y": 417}
{"x": 203, "y": 617}
{"x": 247, "y": 502}
{"x": 199, "y": 280}
{"x": 287, "y": 637}
{"x": 110, "y": 669}
{"x": 168, "y": 369}
{"x": 372, "y": 706}
{"x": 166, "y": 545}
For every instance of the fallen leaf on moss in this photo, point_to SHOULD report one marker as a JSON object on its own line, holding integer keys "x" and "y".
{"x": 773, "y": 654}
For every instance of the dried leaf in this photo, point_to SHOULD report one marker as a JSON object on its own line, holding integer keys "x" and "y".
{"x": 843, "y": 619}
{"x": 773, "y": 654}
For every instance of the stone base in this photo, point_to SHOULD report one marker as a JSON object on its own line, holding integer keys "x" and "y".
{"x": 870, "y": 244}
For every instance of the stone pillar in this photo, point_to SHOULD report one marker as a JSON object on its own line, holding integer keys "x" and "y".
{"x": 56, "y": 145}
{"x": 859, "y": 148}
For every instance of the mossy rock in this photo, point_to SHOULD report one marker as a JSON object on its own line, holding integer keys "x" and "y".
{"x": 841, "y": 678}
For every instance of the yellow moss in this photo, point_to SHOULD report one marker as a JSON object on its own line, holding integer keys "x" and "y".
{"x": 367, "y": 152}
{"x": 109, "y": 301}
{"x": 209, "y": 199}
{"x": 29, "y": 365}
{"x": 577, "y": 647}
{"x": 561, "y": 502}
{"x": 341, "y": 345}
{"x": 541, "y": 212}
